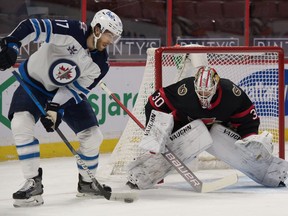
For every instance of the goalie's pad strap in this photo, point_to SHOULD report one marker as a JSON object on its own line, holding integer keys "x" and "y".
{"x": 186, "y": 143}
{"x": 253, "y": 159}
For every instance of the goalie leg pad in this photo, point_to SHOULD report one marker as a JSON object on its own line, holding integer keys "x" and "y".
{"x": 253, "y": 158}
{"x": 147, "y": 170}
{"x": 186, "y": 143}
{"x": 190, "y": 140}
{"x": 276, "y": 173}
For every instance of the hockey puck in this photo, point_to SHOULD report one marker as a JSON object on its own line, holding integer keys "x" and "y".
{"x": 128, "y": 200}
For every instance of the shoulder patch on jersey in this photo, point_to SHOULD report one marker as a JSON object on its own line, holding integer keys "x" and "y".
{"x": 63, "y": 72}
{"x": 236, "y": 91}
{"x": 182, "y": 90}
{"x": 72, "y": 50}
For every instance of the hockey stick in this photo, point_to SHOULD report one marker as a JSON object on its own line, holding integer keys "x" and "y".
{"x": 126, "y": 197}
{"x": 181, "y": 168}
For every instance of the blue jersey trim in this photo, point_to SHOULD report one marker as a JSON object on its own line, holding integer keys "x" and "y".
{"x": 76, "y": 96}
{"x": 48, "y": 30}
{"x": 13, "y": 46}
{"x": 37, "y": 28}
{"x": 78, "y": 86}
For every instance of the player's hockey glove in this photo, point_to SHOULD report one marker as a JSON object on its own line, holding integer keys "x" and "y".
{"x": 53, "y": 118}
{"x": 9, "y": 51}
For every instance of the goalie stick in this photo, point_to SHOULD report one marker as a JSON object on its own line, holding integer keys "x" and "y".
{"x": 120, "y": 196}
{"x": 181, "y": 168}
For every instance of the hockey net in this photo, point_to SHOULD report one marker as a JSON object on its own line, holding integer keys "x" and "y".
{"x": 259, "y": 71}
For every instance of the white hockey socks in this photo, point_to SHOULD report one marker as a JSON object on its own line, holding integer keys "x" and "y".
{"x": 23, "y": 126}
{"x": 90, "y": 140}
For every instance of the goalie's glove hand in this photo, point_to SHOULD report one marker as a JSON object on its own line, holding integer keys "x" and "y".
{"x": 53, "y": 118}
{"x": 9, "y": 51}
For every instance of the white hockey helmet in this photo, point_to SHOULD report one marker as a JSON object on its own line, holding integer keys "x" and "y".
{"x": 108, "y": 20}
{"x": 206, "y": 83}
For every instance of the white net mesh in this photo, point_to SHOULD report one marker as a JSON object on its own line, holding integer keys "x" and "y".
{"x": 257, "y": 73}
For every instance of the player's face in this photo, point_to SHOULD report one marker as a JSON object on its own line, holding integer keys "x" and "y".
{"x": 105, "y": 40}
{"x": 204, "y": 93}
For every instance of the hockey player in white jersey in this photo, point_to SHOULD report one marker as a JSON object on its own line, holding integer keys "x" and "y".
{"x": 70, "y": 62}
{"x": 231, "y": 132}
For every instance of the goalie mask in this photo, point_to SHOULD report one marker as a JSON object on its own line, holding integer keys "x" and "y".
{"x": 206, "y": 83}
{"x": 107, "y": 21}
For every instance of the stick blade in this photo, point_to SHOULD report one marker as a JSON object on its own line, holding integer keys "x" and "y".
{"x": 219, "y": 183}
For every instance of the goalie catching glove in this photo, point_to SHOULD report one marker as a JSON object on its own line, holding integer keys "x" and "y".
{"x": 9, "y": 51}
{"x": 53, "y": 118}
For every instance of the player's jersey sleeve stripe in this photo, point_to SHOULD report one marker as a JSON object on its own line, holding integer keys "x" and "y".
{"x": 36, "y": 27}
{"x": 48, "y": 28}
{"x": 80, "y": 88}
{"x": 167, "y": 101}
{"x": 244, "y": 113}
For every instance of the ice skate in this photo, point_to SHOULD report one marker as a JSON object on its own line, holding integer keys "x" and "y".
{"x": 88, "y": 189}
{"x": 30, "y": 193}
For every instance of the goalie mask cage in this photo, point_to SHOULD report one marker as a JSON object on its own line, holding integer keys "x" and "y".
{"x": 259, "y": 71}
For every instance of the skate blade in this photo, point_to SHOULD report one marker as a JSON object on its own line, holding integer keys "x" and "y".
{"x": 32, "y": 201}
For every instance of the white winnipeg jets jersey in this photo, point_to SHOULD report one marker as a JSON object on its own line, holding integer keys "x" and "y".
{"x": 63, "y": 60}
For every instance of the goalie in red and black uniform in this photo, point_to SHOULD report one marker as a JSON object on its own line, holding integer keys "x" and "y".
{"x": 209, "y": 98}
{"x": 213, "y": 107}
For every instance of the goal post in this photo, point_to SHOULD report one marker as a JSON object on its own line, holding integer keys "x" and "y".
{"x": 259, "y": 71}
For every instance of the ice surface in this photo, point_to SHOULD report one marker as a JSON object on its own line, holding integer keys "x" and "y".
{"x": 173, "y": 198}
